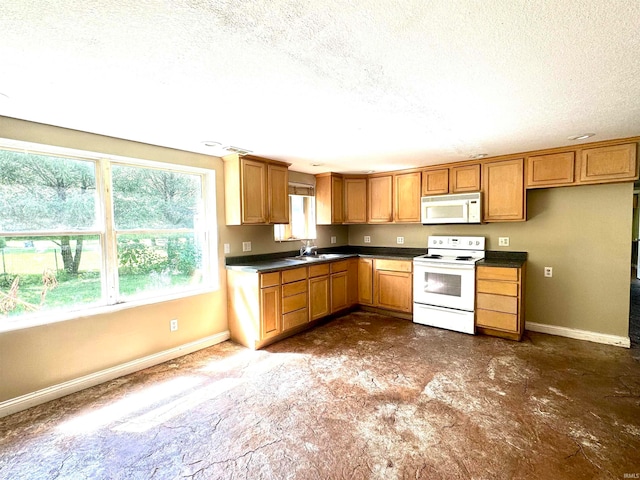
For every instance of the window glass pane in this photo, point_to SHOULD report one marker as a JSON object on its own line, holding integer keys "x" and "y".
{"x": 43, "y": 193}
{"x": 49, "y": 273}
{"x": 153, "y": 263}
{"x": 149, "y": 198}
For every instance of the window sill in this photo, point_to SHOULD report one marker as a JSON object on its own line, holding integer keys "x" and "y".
{"x": 47, "y": 318}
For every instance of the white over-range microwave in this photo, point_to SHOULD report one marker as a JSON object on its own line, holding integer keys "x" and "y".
{"x": 455, "y": 208}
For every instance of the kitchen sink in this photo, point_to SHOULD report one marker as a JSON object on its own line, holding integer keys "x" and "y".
{"x": 315, "y": 258}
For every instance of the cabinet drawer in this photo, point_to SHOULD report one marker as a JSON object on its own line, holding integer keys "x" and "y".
{"x": 498, "y": 320}
{"x": 294, "y": 275}
{"x": 340, "y": 266}
{"x": 294, "y": 288}
{"x": 269, "y": 279}
{"x": 393, "y": 265}
{"x": 500, "y": 288}
{"x": 498, "y": 273}
{"x": 293, "y": 319}
{"x": 499, "y": 303}
{"x": 295, "y": 302}
{"x": 319, "y": 270}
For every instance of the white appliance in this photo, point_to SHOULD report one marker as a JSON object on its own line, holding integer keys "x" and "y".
{"x": 444, "y": 283}
{"x": 456, "y": 208}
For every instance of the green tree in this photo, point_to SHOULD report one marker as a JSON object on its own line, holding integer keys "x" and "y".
{"x": 44, "y": 193}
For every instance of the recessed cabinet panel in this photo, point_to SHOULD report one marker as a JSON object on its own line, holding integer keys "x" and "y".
{"x": 355, "y": 200}
{"x": 503, "y": 183}
{"x": 550, "y": 170}
{"x": 435, "y": 182}
{"x": 380, "y": 203}
{"x": 254, "y": 198}
{"x": 609, "y": 164}
{"x": 319, "y": 297}
{"x": 465, "y": 179}
{"x": 278, "y": 188}
{"x": 406, "y": 207}
{"x": 365, "y": 281}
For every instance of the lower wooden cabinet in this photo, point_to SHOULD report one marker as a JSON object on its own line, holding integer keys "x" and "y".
{"x": 294, "y": 298}
{"x": 365, "y": 281}
{"x": 319, "y": 293}
{"x": 393, "y": 284}
{"x": 500, "y": 301}
{"x": 270, "y": 317}
{"x": 339, "y": 287}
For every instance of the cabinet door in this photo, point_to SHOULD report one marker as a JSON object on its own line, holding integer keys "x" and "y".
{"x": 380, "y": 203}
{"x": 254, "y": 198}
{"x": 337, "y": 199}
{"x": 352, "y": 282}
{"x": 278, "y": 187}
{"x": 355, "y": 200}
{"x": 318, "y": 297}
{"x": 608, "y": 164}
{"x": 338, "y": 291}
{"x": 270, "y": 312}
{"x": 465, "y": 179}
{"x": 551, "y": 170}
{"x": 435, "y": 182}
{"x": 503, "y": 184}
{"x": 406, "y": 206}
{"x": 365, "y": 281}
{"x": 393, "y": 290}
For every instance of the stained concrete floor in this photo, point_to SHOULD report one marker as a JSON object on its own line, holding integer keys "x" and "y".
{"x": 364, "y": 396}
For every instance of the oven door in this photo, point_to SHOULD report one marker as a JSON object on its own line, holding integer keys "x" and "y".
{"x": 444, "y": 285}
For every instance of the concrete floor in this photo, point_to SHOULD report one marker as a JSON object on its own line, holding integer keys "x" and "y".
{"x": 364, "y": 396}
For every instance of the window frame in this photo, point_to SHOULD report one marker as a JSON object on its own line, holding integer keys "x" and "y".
{"x": 104, "y": 227}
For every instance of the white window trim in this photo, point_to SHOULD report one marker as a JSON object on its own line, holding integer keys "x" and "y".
{"x": 107, "y": 234}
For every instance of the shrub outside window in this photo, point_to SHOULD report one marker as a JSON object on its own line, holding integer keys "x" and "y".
{"x": 81, "y": 232}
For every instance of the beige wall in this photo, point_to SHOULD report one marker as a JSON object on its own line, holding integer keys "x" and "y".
{"x": 582, "y": 232}
{"x": 39, "y": 357}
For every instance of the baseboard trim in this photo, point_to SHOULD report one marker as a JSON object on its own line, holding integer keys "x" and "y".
{"x": 66, "y": 388}
{"x": 579, "y": 334}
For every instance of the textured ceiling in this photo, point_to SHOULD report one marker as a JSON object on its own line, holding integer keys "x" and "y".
{"x": 353, "y": 85}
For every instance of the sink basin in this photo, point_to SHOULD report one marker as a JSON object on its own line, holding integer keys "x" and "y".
{"x": 314, "y": 258}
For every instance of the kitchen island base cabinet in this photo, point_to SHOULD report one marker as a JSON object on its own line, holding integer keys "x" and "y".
{"x": 500, "y": 301}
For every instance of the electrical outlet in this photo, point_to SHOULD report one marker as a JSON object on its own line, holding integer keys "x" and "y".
{"x": 246, "y": 246}
{"x": 333, "y": 239}
{"x": 227, "y": 248}
{"x": 503, "y": 241}
{"x": 399, "y": 240}
{"x": 173, "y": 325}
{"x": 367, "y": 239}
{"x": 548, "y": 271}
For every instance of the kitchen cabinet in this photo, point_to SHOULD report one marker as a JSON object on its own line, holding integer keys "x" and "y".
{"x": 380, "y": 199}
{"x": 406, "y": 204}
{"x": 319, "y": 293}
{"x": 355, "y": 199}
{"x": 608, "y": 164}
{"x": 464, "y": 178}
{"x": 504, "y": 195}
{"x": 365, "y": 281}
{"x": 500, "y": 301}
{"x": 458, "y": 179}
{"x": 551, "y": 170}
{"x": 329, "y": 199}
{"x": 352, "y": 282}
{"x": 256, "y": 191}
{"x": 339, "y": 285}
{"x": 294, "y": 298}
{"x": 393, "y": 284}
{"x": 435, "y": 182}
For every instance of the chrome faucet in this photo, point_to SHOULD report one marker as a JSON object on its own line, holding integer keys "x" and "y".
{"x": 308, "y": 249}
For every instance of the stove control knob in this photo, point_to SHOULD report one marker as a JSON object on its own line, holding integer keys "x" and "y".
{"x": 440, "y": 242}
{"x": 470, "y": 242}
{"x": 477, "y": 242}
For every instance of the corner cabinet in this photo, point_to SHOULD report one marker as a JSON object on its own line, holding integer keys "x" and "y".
{"x": 256, "y": 191}
{"x": 355, "y": 199}
{"x": 329, "y": 199}
{"x": 504, "y": 194}
{"x": 500, "y": 301}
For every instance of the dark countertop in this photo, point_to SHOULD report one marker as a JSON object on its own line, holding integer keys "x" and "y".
{"x": 284, "y": 260}
{"x": 503, "y": 259}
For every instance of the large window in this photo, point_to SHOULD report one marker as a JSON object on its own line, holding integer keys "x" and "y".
{"x": 302, "y": 215}
{"x": 81, "y": 232}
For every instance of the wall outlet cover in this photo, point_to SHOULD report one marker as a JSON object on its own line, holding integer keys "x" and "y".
{"x": 548, "y": 271}
{"x": 173, "y": 325}
{"x": 246, "y": 246}
{"x": 227, "y": 248}
{"x": 333, "y": 239}
{"x": 400, "y": 240}
{"x": 503, "y": 241}
{"x": 367, "y": 239}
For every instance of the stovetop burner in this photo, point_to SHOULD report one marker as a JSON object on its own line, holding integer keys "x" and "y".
{"x": 463, "y": 258}
{"x": 432, "y": 256}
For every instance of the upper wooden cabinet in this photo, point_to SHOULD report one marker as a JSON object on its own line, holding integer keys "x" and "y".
{"x": 504, "y": 197}
{"x": 459, "y": 179}
{"x": 608, "y": 164}
{"x": 329, "y": 199}
{"x": 435, "y": 182}
{"x": 406, "y": 199}
{"x": 256, "y": 191}
{"x": 355, "y": 199}
{"x": 380, "y": 199}
{"x": 552, "y": 170}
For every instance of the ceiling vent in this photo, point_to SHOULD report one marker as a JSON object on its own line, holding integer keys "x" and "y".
{"x": 238, "y": 150}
